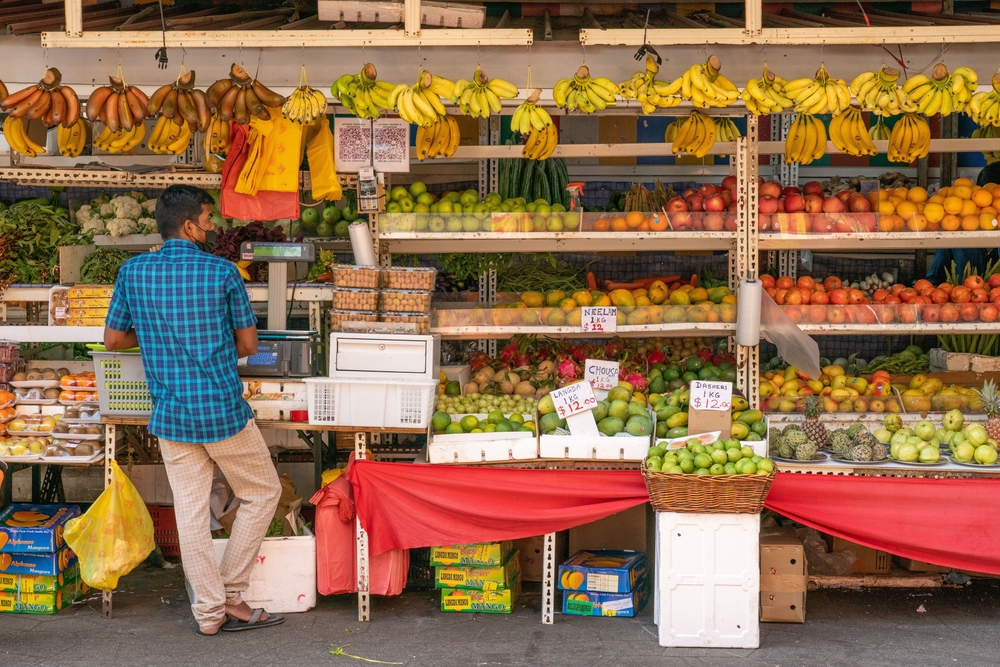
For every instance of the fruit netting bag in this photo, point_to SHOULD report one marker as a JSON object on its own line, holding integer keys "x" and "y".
{"x": 114, "y": 535}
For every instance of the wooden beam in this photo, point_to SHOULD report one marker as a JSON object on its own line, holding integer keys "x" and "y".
{"x": 411, "y": 18}
{"x": 754, "y": 17}
{"x": 74, "y": 18}
{"x": 971, "y": 34}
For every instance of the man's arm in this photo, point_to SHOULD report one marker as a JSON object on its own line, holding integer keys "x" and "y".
{"x": 122, "y": 340}
{"x": 246, "y": 341}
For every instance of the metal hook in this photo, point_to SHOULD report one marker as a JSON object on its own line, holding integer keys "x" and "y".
{"x": 584, "y": 48}
{"x": 260, "y": 56}
{"x": 479, "y": 59}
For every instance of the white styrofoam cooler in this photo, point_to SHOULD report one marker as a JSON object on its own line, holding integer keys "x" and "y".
{"x": 283, "y": 579}
{"x": 707, "y": 580}
{"x": 381, "y": 403}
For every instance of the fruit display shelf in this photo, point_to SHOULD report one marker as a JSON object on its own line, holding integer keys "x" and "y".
{"x": 317, "y": 292}
{"x": 897, "y": 328}
{"x": 46, "y": 334}
{"x": 864, "y": 241}
{"x": 422, "y": 242}
{"x": 945, "y": 470}
{"x": 680, "y": 329}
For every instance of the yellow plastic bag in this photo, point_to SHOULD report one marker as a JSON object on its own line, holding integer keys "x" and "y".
{"x": 322, "y": 170}
{"x": 282, "y": 155}
{"x": 114, "y": 535}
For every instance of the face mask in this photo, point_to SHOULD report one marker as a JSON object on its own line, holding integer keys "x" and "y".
{"x": 209, "y": 243}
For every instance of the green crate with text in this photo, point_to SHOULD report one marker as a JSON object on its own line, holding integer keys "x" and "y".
{"x": 42, "y": 603}
{"x": 30, "y": 583}
{"x": 487, "y": 553}
{"x": 486, "y": 578}
{"x": 459, "y": 600}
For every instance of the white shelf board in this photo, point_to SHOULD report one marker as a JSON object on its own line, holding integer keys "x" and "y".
{"x": 44, "y": 334}
{"x": 405, "y": 242}
{"x": 624, "y": 331}
{"x": 854, "y": 242}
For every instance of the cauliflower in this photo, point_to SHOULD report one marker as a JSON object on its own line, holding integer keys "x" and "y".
{"x": 126, "y": 207}
{"x": 121, "y": 227}
{"x": 138, "y": 196}
{"x": 84, "y": 214}
{"x": 149, "y": 206}
{"x": 148, "y": 225}
{"x": 92, "y": 225}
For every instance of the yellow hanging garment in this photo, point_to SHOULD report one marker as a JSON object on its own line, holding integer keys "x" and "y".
{"x": 322, "y": 168}
{"x": 282, "y": 155}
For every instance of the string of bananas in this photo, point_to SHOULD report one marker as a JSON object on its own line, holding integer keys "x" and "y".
{"x": 72, "y": 140}
{"x": 726, "y": 130}
{"x": 879, "y": 93}
{"x": 241, "y": 96}
{"x": 528, "y": 116}
{"x": 879, "y": 131}
{"x": 3, "y": 91}
{"x": 441, "y": 138}
{"x": 988, "y": 132}
{"x": 49, "y": 101}
{"x": 18, "y": 139}
{"x": 118, "y": 106}
{"x": 121, "y": 141}
{"x": 583, "y": 92}
{"x": 218, "y": 136}
{"x": 181, "y": 102}
{"x": 671, "y": 132}
{"x": 541, "y": 143}
{"x": 363, "y": 94}
{"x": 420, "y": 104}
{"x": 806, "y": 140}
{"x": 849, "y": 133}
{"x": 650, "y": 92}
{"x": 766, "y": 95}
{"x": 820, "y": 95}
{"x": 704, "y": 86}
{"x": 305, "y": 104}
{"x": 696, "y": 135}
{"x": 910, "y": 139}
{"x": 170, "y": 137}
{"x": 942, "y": 92}
{"x": 984, "y": 107}
{"x": 480, "y": 96}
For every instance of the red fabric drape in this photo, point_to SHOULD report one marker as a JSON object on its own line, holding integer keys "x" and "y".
{"x": 406, "y": 506}
{"x": 947, "y": 522}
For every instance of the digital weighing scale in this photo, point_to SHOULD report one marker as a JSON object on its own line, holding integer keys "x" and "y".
{"x": 277, "y": 256}
{"x": 281, "y": 354}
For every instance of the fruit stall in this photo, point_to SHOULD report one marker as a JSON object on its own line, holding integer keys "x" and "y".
{"x": 689, "y": 279}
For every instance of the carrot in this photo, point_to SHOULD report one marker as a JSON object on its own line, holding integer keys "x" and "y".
{"x": 675, "y": 286}
{"x": 694, "y": 280}
{"x": 591, "y": 281}
{"x": 610, "y": 286}
{"x": 666, "y": 280}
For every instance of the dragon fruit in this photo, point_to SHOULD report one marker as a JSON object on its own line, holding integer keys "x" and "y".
{"x": 655, "y": 357}
{"x": 637, "y": 380}
{"x": 567, "y": 371}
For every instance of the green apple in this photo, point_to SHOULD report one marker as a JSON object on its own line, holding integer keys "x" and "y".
{"x": 417, "y": 189}
{"x": 470, "y": 223}
{"x": 406, "y": 204}
{"x": 398, "y": 193}
{"x": 445, "y": 206}
{"x": 436, "y": 224}
{"x": 425, "y": 198}
{"x": 454, "y": 224}
{"x": 421, "y": 208}
{"x": 393, "y": 207}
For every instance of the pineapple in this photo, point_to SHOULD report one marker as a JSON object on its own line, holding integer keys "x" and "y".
{"x": 991, "y": 406}
{"x": 860, "y": 453}
{"x": 812, "y": 427}
{"x": 806, "y": 451}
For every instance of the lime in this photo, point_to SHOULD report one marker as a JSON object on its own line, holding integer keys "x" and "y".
{"x": 309, "y": 217}
{"x": 440, "y": 421}
{"x": 495, "y": 417}
{"x": 749, "y": 468}
{"x": 454, "y": 428}
{"x": 730, "y": 468}
{"x": 341, "y": 229}
{"x": 331, "y": 214}
{"x": 490, "y": 428}
{"x": 504, "y": 426}
{"x": 717, "y": 469}
{"x": 765, "y": 465}
{"x": 516, "y": 417}
{"x": 719, "y": 456}
{"x": 686, "y": 466}
{"x": 702, "y": 471}
{"x": 673, "y": 469}
{"x": 734, "y": 455}
{"x": 747, "y": 451}
{"x": 702, "y": 460}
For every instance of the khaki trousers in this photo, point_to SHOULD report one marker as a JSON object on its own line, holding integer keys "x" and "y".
{"x": 246, "y": 463}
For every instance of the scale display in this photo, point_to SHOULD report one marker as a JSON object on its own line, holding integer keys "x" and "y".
{"x": 278, "y": 252}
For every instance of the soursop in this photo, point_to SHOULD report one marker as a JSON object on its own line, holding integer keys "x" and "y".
{"x": 860, "y": 453}
{"x": 795, "y": 438}
{"x": 854, "y": 429}
{"x": 791, "y": 427}
{"x": 805, "y": 451}
{"x": 786, "y": 451}
{"x": 880, "y": 452}
{"x": 865, "y": 438}
{"x": 840, "y": 442}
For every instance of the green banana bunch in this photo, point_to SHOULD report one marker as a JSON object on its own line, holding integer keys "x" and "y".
{"x": 878, "y": 131}
{"x": 420, "y": 104}
{"x": 480, "y": 96}
{"x": 651, "y": 93}
{"x": 362, "y": 94}
{"x": 988, "y": 132}
{"x": 878, "y": 92}
{"x": 942, "y": 92}
{"x": 766, "y": 95}
{"x": 584, "y": 93}
{"x": 984, "y": 108}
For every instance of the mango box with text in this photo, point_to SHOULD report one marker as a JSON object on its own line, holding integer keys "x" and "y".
{"x": 42, "y": 603}
{"x": 29, "y": 583}
{"x": 44, "y": 565}
{"x": 606, "y": 604}
{"x": 458, "y": 600}
{"x": 28, "y": 528}
{"x": 602, "y": 571}
{"x": 488, "y": 578}
{"x": 488, "y": 553}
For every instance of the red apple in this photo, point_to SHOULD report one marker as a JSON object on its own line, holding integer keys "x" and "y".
{"x": 687, "y": 193}
{"x": 771, "y": 189}
{"x": 681, "y": 220}
{"x": 795, "y": 202}
{"x": 844, "y": 195}
{"x": 791, "y": 190}
{"x": 763, "y": 223}
{"x": 767, "y": 205}
{"x": 833, "y": 205}
{"x": 676, "y": 204}
{"x": 843, "y": 224}
{"x": 715, "y": 203}
{"x": 822, "y": 224}
{"x": 696, "y": 202}
{"x": 733, "y": 206}
{"x": 799, "y": 223}
{"x": 728, "y": 196}
{"x": 867, "y": 221}
{"x": 814, "y": 204}
{"x": 729, "y": 182}
{"x": 730, "y": 224}
{"x": 781, "y": 205}
{"x": 714, "y": 222}
{"x": 858, "y": 203}
{"x": 813, "y": 188}
{"x": 707, "y": 190}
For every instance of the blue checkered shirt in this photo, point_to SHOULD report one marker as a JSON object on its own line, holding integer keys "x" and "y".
{"x": 184, "y": 305}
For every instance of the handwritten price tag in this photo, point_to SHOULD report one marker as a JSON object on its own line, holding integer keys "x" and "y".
{"x": 599, "y": 318}
{"x": 601, "y": 374}
{"x": 711, "y": 395}
{"x": 573, "y": 399}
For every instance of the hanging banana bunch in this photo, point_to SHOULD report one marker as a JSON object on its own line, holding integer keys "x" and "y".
{"x": 878, "y": 93}
{"x": 766, "y": 95}
{"x": 670, "y": 134}
{"x": 910, "y": 139}
{"x": 440, "y": 139}
{"x": 984, "y": 107}
{"x": 363, "y": 94}
{"x": 528, "y": 116}
{"x": 849, "y": 133}
{"x": 420, "y": 104}
{"x": 704, "y": 86}
{"x": 481, "y": 95}
{"x": 726, "y": 130}
{"x": 696, "y": 135}
{"x": 53, "y": 104}
{"x": 806, "y": 140}
{"x": 17, "y": 137}
{"x": 942, "y": 92}
{"x": 241, "y": 96}
{"x": 584, "y": 92}
{"x": 879, "y": 131}
{"x": 3, "y": 91}
{"x": 72, "y": 140}
{"x": 183, "y": 110}
{"x": 651, "y": 93}
{"x": 305, "y": 104}
{"x": 121, "y": 108}
{"x": 218, "y": 136}
{"x": 820, "y": 95}
{"x": 988, "y": 132}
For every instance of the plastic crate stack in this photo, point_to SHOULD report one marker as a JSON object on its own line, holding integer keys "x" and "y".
{"x": 484, "y": 578}
{"x": 394, "y": 295}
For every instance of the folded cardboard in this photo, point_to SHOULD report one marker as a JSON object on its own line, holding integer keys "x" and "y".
{"x": 602, "y": 571}
{"x": 459, "y": 600}
{"x": 29, "y": 583}
{"x": 532, "y": 555}
{"x": 606, "y": 604}
{"x": 45, "y": 565}
{"x": 919, "y": 565}
{"x": 624, "y": 531}
{"x": 27, "y": 528}
{"x": 487, "y": 553}
{"x": 485, "y": 578}
{"x": 869, "y": 561}
{"x": 783, "y": 576}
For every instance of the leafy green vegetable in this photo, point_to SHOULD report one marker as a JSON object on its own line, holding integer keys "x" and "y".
{"x": 30, "y": 235}
{"x": 101, "y": 266}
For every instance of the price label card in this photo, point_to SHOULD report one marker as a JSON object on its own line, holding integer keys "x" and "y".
{"x": 707, "y": 395}
{"x": 599, "y": 318}
{"x": 573, "y": 399}
{"x": 601, "y": 374}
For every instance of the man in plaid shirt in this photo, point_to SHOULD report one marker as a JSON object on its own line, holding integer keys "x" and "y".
{"x": 189, "y": 312}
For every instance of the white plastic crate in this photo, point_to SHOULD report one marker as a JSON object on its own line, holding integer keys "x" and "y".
{"x": 121, "y": 384}
{"x": 373, "y": 403}
{"x": 707, "y": 580}
{"x": 481, "y": 447}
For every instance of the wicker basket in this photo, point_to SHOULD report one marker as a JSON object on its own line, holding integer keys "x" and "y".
{"x": 708, "y": 494}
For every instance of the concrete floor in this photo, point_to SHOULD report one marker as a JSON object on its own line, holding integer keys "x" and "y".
{"x": 153, "y": 626}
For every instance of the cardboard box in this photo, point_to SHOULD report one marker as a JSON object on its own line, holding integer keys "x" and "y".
{"x": 26, "y": 528}
{"x": 607, "y": 604}
{"x": 489, "y": 553}
{"x": 28, "y": 583}
{"x": 782, "y": 607}
{"x": 603, "y": 571}
{"x": 943, "y": 362}
{"x": 982, "y": 364}
{"x": 485, "y": 578}
{"x": 870, "y": 561}
{"x": 781, "y": 552}
{"x": 783, "y": 576}
{"x": 458, "y": 600}
{"x": 918, "y": 565}
{"x": 42, "y": 603}
{"x": 532, "y": 555}
{"x": 45, "y": 565}
{"x": 625, "y": 531}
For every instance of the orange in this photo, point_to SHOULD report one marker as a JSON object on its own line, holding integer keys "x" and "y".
{"x": 950, "y": 223}
{"x": 961, "y": 191}
{"x": 917, "y": 222}
{"x": 883, "y": 193}
{"x": 906, "y": 209}
{"x": 887, "y": 223}
{"x": 982, "y": 197}
{"x": 634, "y": 219}
{"x": 988, "y": 221}
{"x": 900, "y": 223}
{"x": 944, "y": 192}
{"x": 963, "y": 181}
{"x": 934, "y": 212}
{"x": 886, "y": 207}
{"x": 602, "y": 225}
{"x": 643, "y": 226}
{"x": 917, "y": 194}
{"x": 953, "y": 205}
{"x": 969, "y": 207}
{"x": 936, "y": 199}
{"x": 896, "y": 200}
{"x": 996, "y": 202}
{"x": 996, "y": 192}
{"x": 619, "y": 225}
{"x": 900, "y": 192}
{"x": 970, "y": 223}
{"x": 990, "y": 187}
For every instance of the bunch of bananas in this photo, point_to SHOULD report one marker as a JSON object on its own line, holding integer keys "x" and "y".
{"x": 806, "y": 140}
{"x": 363, "y": 94}
{"x": 440, "y": 138}
{"x": 695, "y": 135}
{"x": 49, "y": 101}
{"x": 651, "y": 93}
{"x": 241, "y": 96}
{"x": 849, "y": 133}
{"x": 72, "y": 140}
{"x": 910, "y": 139}
{"x": 305, "y": 104}
{"x": 420, "y": 104}
{"x": 584, "y": 92}
{"x": 988, "y": 132}
{"x": 118, "y": 106}
{"x": 170, "y": 137}
{"x": 541, "y": 143}
{"x": 942, "y": 92}
{"x": 984, "y": 107}
{"x": 16, "y": 136}
{"x": 878, "y": 92}
{"x": 671, "y": 132}
{"x": 878, "y": 131}
{"x": 819, "y": 95}
{"x": 121, "y": 141}
{"x": 726, "y": 130}
{"x": 704, "y": 86}
{"x": 528, "y": 116}
{"x": 766, "y": 95}
{"x": 180, "y": 102}
{"x": 481, "y": 95}
{"x": 218, "y": 136}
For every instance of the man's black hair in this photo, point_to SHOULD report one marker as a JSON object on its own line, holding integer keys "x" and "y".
{"x": 178, "y": 204}
{"x": 989, "y": 174}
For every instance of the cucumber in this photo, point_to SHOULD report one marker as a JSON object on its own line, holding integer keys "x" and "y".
{"x": 554, "y": 190}
{"x": 514, "y": 179}
{"x": 543, "y": 182}
{"x": 563, "y": 182}
{"x": 526, "y": 179}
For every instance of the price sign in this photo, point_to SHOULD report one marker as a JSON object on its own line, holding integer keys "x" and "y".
{"x": 601, "y": 374}
{"x": 599, "y": 318}
{"x": 711, "y": 395}
{"x": 573, "y": 399}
